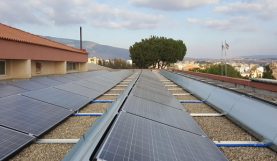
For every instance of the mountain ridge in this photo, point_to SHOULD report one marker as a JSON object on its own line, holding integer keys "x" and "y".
{"x": 95, "y": 49}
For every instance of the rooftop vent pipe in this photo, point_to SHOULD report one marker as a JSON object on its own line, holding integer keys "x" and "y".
{"x": 81, "y": 45}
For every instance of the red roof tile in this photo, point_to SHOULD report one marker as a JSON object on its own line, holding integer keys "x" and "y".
{"x": 13, "y": 34}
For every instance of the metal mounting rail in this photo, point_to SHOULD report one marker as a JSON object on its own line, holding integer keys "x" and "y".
{"x": 102, "y": 101}
{"x": 206, "y": 114}
{"x": 83, "y": 150}
{"x": 242, "y": 144}
{"x": 57, "y": 141}
{"x": 192, "y": 101}
{"x": 87, "y": 114}
{"x": 257, "y": 117}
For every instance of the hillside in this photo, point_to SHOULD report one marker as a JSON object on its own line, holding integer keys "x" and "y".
{"x": 95, "y": 49}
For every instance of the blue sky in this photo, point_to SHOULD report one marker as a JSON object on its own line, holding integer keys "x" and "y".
{"x": 249, "y": 26}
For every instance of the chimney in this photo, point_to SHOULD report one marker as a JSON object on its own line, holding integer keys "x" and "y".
{"x": 81, "y": 43}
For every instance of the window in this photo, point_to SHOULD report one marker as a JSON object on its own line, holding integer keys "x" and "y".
{"x": 2, "y": 67}
{"x": 71, "y": 66}
{"x": 38, "y": 67}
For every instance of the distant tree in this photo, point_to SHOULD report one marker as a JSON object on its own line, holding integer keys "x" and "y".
{"x": 117, "y": 64}
{"x": 158, "y": 51}
{"x": 216, "y": 69}
{"x": 100, "y": 62}
{"x": 268, "y": 72}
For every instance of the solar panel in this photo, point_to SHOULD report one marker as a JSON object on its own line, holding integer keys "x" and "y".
{"x": 113, "y": 76}
{"x": 152, "y": 89}
{"x": 152, "y": 85}
{"x": 29, "y": 115}
{"x": 94, "y": 85}
{"x": 150, "y": 81}
{"x": 108, "y": 81}
{"x": 158, "y": 97}
{"x": 7, "y": 90}
{"x": 46, "y": 81}
{"x": 138, "y": 139}
{"x": 28, "y": 84}
{"x": 85, "y": 75}
{"x": 60, "y": 78}
{"x": 71, "y": 77}
{"x": 162, "y": 113}
{"x": 78, "y": 89}
{"x": 11, "y": 141}
{"x": 59, "y": 97}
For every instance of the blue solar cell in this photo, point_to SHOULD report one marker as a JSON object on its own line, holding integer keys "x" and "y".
{"x": 60, "y": 78}
{"x": 162, "y": 113}
{"x": 29, "y": 115}
{"x": 139, "y": 139}
{"x": 28, "y": 84}
{"x": 94, "y": 85}
{"x": 11, "y": 141}
{"x": 46, "y": 81}
{"x": 72, "y": 77}
{"x": 81, "y": 90}
{"x": 58, "y": 97}
{"x": 151, "y": 95}
{"x": 7, "y": 90}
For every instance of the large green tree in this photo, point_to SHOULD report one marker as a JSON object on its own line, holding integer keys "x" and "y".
{"x": 158, "y": 51}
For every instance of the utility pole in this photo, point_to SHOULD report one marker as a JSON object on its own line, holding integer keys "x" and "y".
{"x": 226, "y": 48}
{"x": 221, "y": 59}
{"x": 225, "y": 63}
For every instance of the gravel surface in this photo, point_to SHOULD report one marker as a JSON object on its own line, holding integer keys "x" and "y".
{"x": 107, "y": 98}
{"x": 43, "y": 152}
{"x": 168, "y": 83}
{"x": 114, "y": 92}
{"x": 249, "y": 154}
{"x": 124, "y": 83}
{"x": 188, "y": 97}
{"x": 198, "y": 108}
{"x": 178, "y": 91}
{"x": 72, "y": 128}
{"x": 119, "y": 88}
{"x": 222, "y": 129}
{"x": 95, "y": 107}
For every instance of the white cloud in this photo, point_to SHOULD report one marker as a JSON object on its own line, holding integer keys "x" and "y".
{"x": 232, "y": 24}
{"x": 75, "y": 12}
{"x": 264, "y": 9}
{"x": 239, "y": 7}
{"x": 11, "y": 12}
{"x": 172, "y": 4}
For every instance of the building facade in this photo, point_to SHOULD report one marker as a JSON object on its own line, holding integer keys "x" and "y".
{"x": 23, "y": 55}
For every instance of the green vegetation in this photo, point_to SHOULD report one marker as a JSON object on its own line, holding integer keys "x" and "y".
{"x": 216, "y": 69}
{"x": 268, "y": 73}
{"x": 158, "y": 51}
{"x": 116, "y": 64}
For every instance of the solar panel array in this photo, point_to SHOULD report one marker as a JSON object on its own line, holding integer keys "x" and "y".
{"x": 150, "y": 128}
{"x": 11, "y": 141}
{"x": 29, "y": 108}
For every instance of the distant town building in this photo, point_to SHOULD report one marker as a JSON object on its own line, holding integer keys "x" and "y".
{"x": 94, "y": 60}
{"x": 246, "y": 70}
{"x": 24, "y": 55}
{"x": 129, "y": 62}
{"x": 186, "y": 65}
